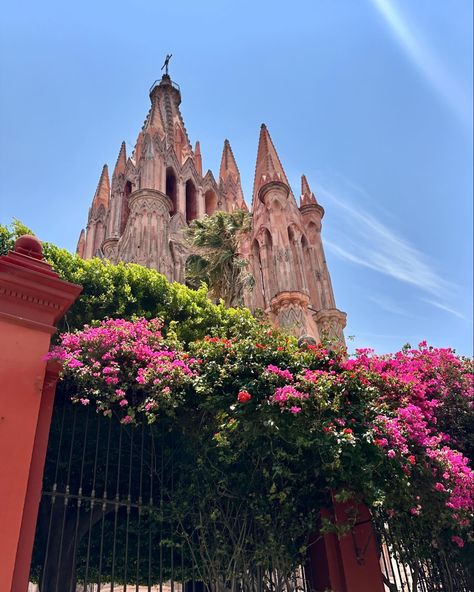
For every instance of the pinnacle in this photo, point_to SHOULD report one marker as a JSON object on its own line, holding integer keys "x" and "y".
{"x": 81, "y": 244}
{"x": 307, "y": 196}
{"x": 198, "y": 157}
{"x": 268, "y": 167}
{"x": 102, "y": 193}
{"x": 228, "y": 164}
{"x": 121, "y": 161}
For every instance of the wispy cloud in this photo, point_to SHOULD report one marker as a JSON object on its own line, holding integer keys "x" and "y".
{"x": 442, "y": 306}
{"x": 389, "y": 306}
{"x": 374, "y": 245}
{"x": 426, "y": 60}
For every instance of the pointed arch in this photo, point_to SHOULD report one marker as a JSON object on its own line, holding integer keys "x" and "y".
{"x": 172, "y": 188}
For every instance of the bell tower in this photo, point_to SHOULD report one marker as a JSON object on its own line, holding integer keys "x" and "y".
{"x": 292, "y": 282}
{"x": 160, "y": 188}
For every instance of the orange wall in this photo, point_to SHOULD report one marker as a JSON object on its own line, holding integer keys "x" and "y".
{"x": 21, "y": 382}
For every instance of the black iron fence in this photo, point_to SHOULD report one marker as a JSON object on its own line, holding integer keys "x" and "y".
{"x": 108, "y": 519}
{"x": 404, "y": 572}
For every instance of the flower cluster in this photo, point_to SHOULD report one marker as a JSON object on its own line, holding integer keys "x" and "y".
{"x": 124, "y": 366}
{"x": 393, "y": 428}
{"x": 406, "y": 395}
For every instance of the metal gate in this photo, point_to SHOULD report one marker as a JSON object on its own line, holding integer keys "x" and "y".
{"x": 108, "y": 519}
{"x": 403, "y": 572}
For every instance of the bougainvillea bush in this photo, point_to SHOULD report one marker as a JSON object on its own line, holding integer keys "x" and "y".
{"x": 274, "y": 428}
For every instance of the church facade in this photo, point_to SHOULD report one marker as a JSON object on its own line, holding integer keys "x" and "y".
{"x": 138, "y": 215}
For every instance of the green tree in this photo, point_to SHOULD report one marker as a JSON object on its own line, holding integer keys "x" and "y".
{"x": 215, "y": 241}
{"x": 127, "y": 290}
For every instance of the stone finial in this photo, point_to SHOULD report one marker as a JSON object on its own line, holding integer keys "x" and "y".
{"x": 307, "y": 196}
{"x": 198, "y": 157}
{"x": 29, "y": 245}
{"x": 268, "y": 168}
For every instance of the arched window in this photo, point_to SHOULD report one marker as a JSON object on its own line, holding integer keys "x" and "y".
{"x": 191, "y": 201}
{"x": 125, "y": 211}
{"x": 210, "y": 199}
{"x": 171, "y": 188}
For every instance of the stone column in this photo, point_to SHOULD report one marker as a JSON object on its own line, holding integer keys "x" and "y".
{"x": 32, "y": 300}
{"x": 265, "y": 254}
{"x": 181, "y": 197}
{"x": 200, "y": 203}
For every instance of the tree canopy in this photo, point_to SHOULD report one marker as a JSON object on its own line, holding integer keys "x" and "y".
{"x": 215, "y": 241}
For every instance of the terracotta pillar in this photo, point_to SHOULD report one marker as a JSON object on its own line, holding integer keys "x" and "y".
{"x": 346, "y": 563}
{"x": 32, "y": 300}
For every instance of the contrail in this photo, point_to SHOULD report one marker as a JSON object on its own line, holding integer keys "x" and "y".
{"x": 426, "y": 61}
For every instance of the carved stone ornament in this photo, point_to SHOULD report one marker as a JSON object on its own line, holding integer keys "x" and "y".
{"x": 290, "y": 308}
{"x": 331, "y": 323}
{"x": 149, "y": 200}
{"x": 110, "y": 249}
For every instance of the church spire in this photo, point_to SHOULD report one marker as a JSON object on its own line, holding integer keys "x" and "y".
{"x": 102, "y": 193}
{"x": 229, "y": 178}
{"x": 268, "y": 168}
{"x": 307, "y": 196}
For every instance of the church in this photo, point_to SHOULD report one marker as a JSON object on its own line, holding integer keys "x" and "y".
{"x": 139, "y": 215}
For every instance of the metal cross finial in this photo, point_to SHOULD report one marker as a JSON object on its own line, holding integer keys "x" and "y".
{"x": 167, "y": 61}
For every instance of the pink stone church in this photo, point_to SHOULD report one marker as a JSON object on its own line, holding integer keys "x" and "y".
{"x": 140, "y": 215}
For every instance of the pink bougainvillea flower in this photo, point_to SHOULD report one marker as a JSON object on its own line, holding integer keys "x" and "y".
{"x": 457, "y": 541}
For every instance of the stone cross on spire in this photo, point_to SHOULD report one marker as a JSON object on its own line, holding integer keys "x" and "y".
{"x": 166, "y": 62}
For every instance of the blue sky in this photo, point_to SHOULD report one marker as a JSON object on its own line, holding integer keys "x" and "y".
{"x": 371, "y": 99}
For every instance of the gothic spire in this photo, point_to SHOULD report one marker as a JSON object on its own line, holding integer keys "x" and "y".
{"x": 228, "y": 165}
{"x": 102, "y": 193}
{"x": 229, "y": 178}
{"x": 268, "y": 168}
{"x": 165, "y": 115}
{"x": 307, "y": 196}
